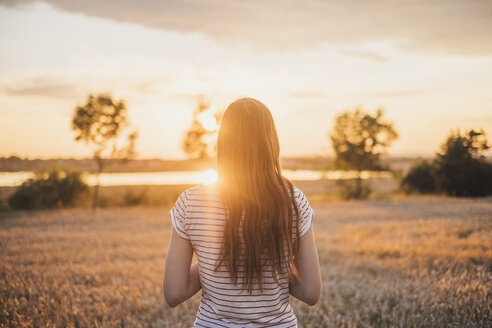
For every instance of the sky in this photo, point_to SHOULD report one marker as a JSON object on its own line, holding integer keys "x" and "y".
{"x": 428, "y": 64}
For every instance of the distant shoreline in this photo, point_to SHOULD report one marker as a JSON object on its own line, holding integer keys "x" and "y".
{"x": 16, "y": 164}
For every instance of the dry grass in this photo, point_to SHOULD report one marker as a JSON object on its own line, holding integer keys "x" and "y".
{"x": 412, "y": 262}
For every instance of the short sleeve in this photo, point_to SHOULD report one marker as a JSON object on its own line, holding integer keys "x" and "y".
{"x": 306, "y": 212}
{"x": 178, "y": 215}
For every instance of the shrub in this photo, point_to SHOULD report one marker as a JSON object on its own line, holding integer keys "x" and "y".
{"x": 353, "y": 189}
{"x": 420, "y": 178}
{"x": 461, "y": 169}
{"x": 134, "y": 198}
{"x": 49, "y": 189}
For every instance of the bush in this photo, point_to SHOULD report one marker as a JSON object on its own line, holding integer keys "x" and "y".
{"x": 465, "y": 179}
{"x": 420, "y": 179}
{"x": 134, "y": 198}
{"x": 461, "y": 169}
{"x": 353, "y": 189}
{"x": 49, "y": 189}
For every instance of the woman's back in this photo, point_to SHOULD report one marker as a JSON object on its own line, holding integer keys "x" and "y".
{"x": 199, "y": 217}
{"x": 252, "y": 257}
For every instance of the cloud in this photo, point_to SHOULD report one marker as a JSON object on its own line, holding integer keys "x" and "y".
{"x": 393, "y": 93}
{"x": 185, "y": 97}
{"x": 306, "y": 94}
{"x": 365, "y": 55}
{"x": 452, "y": 26}
{"x": 479, "y": 120}
{"x": 42, "y": 87}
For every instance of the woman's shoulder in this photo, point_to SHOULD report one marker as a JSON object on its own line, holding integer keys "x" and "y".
{"x": 201, "y": 192}
{"x": 298, "y": 194}
{"x": 301, "y": 199}
{"x": 203, "y": 188}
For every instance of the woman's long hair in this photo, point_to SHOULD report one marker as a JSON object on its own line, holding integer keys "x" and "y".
{"x": 262, "y": 214}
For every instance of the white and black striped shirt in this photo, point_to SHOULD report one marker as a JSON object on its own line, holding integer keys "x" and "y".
{"x": 199, "y": 217}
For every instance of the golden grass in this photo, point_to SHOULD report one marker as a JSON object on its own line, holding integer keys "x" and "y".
{"x": 409, "y": 262}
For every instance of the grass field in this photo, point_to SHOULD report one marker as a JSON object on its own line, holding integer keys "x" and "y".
{"x": 401, "y": 262}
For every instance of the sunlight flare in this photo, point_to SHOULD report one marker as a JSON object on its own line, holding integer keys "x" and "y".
{"x": 210, "y": 177}
{"x": 208, "y": 121}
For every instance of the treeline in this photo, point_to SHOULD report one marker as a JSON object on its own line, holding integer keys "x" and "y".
{"x": 15, "y": 163}
{"x": 459, "y": 169}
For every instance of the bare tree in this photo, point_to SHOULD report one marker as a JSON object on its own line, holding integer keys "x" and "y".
{"x": 198, "y": 139}
{"x": 99, "y": 123}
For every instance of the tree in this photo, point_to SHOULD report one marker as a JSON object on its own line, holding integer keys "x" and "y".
{"x": 358, "y": 141}
{"x": 99, "y": 123}
{"x": 199, "y": 138}
{"x": 461, "y": 168}
{"x": 420, "y": 178}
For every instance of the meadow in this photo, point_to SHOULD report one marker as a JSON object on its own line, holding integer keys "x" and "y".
{"x": 403, "y": 261}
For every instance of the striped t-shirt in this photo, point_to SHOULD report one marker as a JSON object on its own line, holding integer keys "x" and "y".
{"x": 199, "y": 217}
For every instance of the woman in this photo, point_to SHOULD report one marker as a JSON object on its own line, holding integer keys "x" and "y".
{"x": 251, "y": 232}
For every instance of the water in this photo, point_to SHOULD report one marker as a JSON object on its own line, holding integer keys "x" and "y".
{"x": 189, "y": 177}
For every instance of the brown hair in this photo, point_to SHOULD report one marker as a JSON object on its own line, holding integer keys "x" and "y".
{"x": 259, "y": 201}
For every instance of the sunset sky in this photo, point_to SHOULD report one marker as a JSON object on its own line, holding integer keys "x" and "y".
{"x": 428, "y": 64}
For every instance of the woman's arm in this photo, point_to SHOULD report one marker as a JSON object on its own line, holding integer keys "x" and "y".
{"x": 307, "y": 286}
{"x": 181, "y": 279}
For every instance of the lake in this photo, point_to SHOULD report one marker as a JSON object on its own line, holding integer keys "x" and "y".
{"x": 189, "y": 177}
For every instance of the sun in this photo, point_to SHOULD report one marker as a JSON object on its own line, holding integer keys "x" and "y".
{"x": 208, "y": 121}
{"x": 209, "y": 177}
